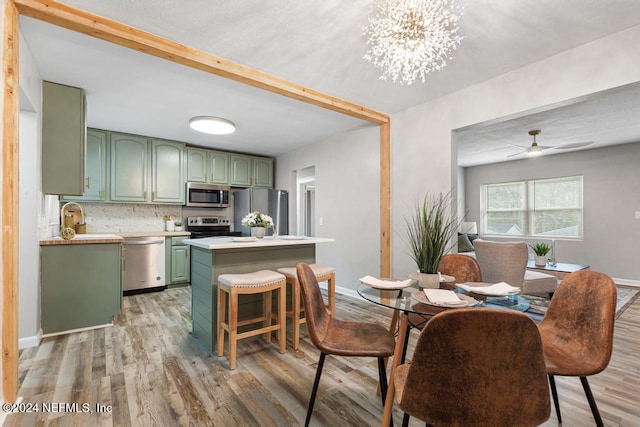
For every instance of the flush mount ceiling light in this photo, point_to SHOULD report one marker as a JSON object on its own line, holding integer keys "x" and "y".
{"x": 212, "y": 125}
{"x": 410, "y": 38}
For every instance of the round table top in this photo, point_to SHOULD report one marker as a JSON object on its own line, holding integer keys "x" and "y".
{"x": 404, "y": 300}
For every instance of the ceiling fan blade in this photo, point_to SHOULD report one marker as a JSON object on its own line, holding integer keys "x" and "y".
{"x": 517, "y": 154}
{"x": 519, "y": 146}
{"x": 573, "y": 145}
{"x": 545, "y": 147}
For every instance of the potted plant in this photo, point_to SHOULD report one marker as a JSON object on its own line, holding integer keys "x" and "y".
{"x": 178, "y": 224}
{"x": 430, "y": 232}
{"x": 541, "y": 249}
{"x": 258, "y": 223}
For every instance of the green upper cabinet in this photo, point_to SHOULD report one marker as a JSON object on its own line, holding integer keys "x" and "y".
{"x": 95, "y": 182}
{"x": 207, "y": 166}
{"x": 251, "y": 171}
{"x": 167, "y": 172}
{"x": 197, "y": 163}
{"x": 240, "y": 174}
{"x": 262, "y": 172}
{"x": 128, "y": 169}
{"x": 218, "y": 167}
{"x": 63, "y": 139}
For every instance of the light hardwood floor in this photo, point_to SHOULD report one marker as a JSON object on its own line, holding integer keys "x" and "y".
{"x": 153, "y": 373}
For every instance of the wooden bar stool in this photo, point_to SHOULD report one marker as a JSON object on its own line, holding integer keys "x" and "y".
{"x": 323, "y": 274}
{"x": 259, "y": 282}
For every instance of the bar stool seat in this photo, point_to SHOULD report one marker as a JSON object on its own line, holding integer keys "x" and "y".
{"x": 323, "y": 273}
{"x": 259, "y": 282}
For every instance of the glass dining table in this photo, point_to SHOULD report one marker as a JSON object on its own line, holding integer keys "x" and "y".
{"x": 412, "y": 300}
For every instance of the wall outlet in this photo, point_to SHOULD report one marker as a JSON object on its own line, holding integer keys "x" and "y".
{"x": 321, "y": 221}
{"x": 88, "y": 220}
{"x": 637, "y": 214}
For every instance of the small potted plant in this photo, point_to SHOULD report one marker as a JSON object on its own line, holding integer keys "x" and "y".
{"x": 258, "y": 223}
{"x": 541, "y": 249}
{"x": 178, "y": 224}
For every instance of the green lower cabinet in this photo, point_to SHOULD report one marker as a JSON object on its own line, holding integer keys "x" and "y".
{"x": 81, "y": 285}
{"x": 177, "y": 261}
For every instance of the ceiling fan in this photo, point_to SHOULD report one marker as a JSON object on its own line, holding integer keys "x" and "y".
{"x": 536, "y": 150}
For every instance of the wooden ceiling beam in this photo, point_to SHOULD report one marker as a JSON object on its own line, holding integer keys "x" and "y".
{"x": 115, "y": 32}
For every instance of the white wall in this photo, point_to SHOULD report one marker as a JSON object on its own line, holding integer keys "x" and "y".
{"x": 31, "y": 200}
{"x": 347, "y": 199}
{"x": 423, "y": 147}
{"x": 422, "y": 137}
{"x": 610, "y": 184}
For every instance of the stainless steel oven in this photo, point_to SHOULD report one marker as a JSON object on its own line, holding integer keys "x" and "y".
{"x": 206, "y": 195}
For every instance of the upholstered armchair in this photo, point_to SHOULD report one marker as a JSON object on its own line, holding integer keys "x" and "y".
{"x": 502, "y": 261}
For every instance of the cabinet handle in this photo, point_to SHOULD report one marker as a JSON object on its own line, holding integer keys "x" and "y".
{"x": 88, "y": 179}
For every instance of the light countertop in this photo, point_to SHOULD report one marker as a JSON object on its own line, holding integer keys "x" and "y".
{"x": 93, "y": 238}
{"x": 214, "y": 243}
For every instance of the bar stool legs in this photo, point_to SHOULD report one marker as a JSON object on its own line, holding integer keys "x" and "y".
{"x": 260, "y": 282}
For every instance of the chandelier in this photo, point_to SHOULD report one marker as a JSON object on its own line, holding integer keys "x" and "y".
{"x": 410, "y": 38}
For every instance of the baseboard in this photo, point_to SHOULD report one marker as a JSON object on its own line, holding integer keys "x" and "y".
{"x": 627, "y": 282}
{"x": 347, "y": 292}
{"x": 33, "y": 341}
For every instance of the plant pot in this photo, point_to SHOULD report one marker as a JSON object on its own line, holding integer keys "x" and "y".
{"x": 258, "y": 232}
{"x": 429, "y": 281}
{"x": 541, "y": 260}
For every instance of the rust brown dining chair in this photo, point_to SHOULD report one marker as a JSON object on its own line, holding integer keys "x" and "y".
{"x": 475, "y": 367}
{"x": 577, "y": 331}
{"x": 339, "y": 337}
{"x": 463, "y": 268}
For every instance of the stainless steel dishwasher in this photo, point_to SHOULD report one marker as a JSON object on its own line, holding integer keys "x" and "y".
{"x": 143, "y": 265}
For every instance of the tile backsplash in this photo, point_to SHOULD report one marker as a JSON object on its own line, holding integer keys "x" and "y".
{"x": 122, "y": 218}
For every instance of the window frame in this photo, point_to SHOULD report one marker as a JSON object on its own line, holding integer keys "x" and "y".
{"x": 529, "y": 209}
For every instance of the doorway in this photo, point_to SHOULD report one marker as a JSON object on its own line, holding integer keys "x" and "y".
{"x": 306, "y": 186}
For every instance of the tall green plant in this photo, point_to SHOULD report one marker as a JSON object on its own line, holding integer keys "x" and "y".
{"x": 430, "y": 231}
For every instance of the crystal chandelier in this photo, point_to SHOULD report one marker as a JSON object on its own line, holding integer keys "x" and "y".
{"x": 410, "y": 38}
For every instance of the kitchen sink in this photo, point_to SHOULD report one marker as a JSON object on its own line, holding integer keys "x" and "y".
{"x": 91, "y": 236}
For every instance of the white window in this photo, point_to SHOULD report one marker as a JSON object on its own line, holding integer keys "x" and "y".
{"x": 543, "y": 207}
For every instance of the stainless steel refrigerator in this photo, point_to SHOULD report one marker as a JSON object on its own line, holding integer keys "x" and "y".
{"x": 274, "y": 203}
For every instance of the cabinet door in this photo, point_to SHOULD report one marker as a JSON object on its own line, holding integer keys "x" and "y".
{"x": 64, "y": 134}
{"x": 218, "y": 167}
{"x": 240, "y": 171}
{"x": 262, "y": 172}
{"x": 197, "y": 162}
{"x": 128, "y": 168}
{"x": 180, "y": 264}
{"x": 95, "y": 182}
{"x": 167, "y": 172}
{"x": 80, "y": 286}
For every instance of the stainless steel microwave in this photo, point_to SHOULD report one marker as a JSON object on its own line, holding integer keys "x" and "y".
{"x": 206, "y": 195}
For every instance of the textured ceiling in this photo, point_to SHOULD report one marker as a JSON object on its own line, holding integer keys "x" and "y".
{"x": 318, "y": 44}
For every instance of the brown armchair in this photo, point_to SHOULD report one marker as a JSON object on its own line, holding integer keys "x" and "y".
{"x": 338, "y": 337}
{"x": 577, "y": 331}
{"x": 476, "y": 367}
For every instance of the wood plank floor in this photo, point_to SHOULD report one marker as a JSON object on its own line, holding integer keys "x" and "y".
{"x": 153, "y": 373}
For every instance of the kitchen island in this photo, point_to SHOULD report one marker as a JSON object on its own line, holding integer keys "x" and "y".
{"x": 213, "y": 256}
